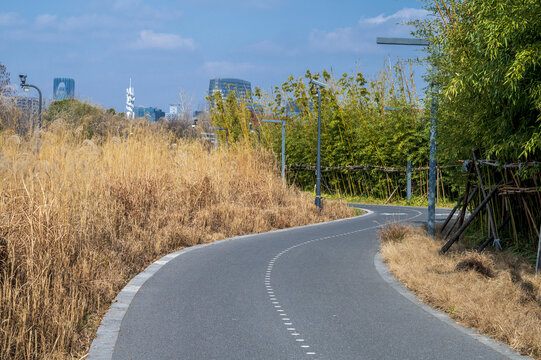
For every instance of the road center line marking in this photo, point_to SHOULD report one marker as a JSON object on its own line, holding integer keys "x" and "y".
{"x": 270, "y": 267}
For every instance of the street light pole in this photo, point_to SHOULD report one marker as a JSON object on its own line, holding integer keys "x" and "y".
{"x": 318, "y": 165}
{"x": 26, "y": 87}
{"x": 433, "y": 134}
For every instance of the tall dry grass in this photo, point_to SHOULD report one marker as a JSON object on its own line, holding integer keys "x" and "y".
{"x": 78, "y": 219}
{"x": 497, "y": 294}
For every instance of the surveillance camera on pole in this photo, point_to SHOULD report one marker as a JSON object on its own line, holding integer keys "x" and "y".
{"x": 23, "y": 80}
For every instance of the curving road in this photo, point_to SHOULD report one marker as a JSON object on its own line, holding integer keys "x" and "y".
{"x": 305, "y": 293}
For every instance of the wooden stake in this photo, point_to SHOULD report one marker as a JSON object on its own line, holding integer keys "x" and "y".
{"x": 481, "y": 186}
{"x": 463, "y": 212}
{"x": 537, "y": 264}
{"x": 391, "y": 195}
{"x": 467, "y": 223}
{"x": 491, "y": 238}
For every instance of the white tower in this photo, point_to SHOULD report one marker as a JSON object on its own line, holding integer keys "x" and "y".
{"x": 130, "y": 101}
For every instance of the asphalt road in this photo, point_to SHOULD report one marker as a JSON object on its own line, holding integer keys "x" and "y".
{"x": 306, "y": 293}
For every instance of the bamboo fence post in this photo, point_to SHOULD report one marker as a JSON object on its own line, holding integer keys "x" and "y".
{"x": 466, "y": 197}
{"x": 451, "y": 214}
{"x": 538, "y": 255}
{"x": 491, "y": 238}
{"x": 481, "y": 186}
{"x": 442, "y": 187}
{"x": 468, "y": 221}
{"x": 463, "y": 212}
{"x": 391, "y": 195}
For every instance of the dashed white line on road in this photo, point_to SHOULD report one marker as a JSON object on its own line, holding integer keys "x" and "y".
{"x": 270, "y": 266}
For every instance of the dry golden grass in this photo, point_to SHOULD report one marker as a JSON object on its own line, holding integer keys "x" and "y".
{"x": 79, "y": 219}
{"x": 496, "y": 294}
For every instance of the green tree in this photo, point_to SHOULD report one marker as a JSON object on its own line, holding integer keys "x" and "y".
{"x": 486, "y": 59}
{"x": 91, "y": 120}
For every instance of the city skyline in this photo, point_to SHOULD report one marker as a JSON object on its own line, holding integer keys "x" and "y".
{"x": 178, "y": 47}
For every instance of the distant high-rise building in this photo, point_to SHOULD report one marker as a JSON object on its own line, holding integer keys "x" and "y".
{"x": 198, "y": 113}
{"x": 28, "y": 105}
{"x": 175, "y": 111}
{"x": 63, "y": 88}
{"x": 149, "y": 113}
{"x": 130, "y": 102}
{"x": 241, "y": 88}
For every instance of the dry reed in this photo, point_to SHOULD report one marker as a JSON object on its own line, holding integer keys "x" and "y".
{"x": 497, "y": 294}
{"x": 79, "y": 219}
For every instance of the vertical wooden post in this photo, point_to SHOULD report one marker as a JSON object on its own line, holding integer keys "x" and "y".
{"x": 537, "y": 264}
{"x": 489, "y": 210}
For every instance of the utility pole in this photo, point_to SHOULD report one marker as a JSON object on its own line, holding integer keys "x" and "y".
{"x": 318, "y": 165}
{"x": 432, "y": 164}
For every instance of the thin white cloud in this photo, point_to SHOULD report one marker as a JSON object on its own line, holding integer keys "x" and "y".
{"x": 401, "y": 15}
{"x": 45, "y": 20}
{"x": 11, "y": 19}
{"x": 360, "y": 38}
{"x": 226, "y": 68}
{"x": 148, "y": 39}
{"x": 340, "y": 40}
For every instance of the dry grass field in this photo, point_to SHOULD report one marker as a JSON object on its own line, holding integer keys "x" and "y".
{"x": 497, "y": 294}
{"x": 78, "y": 219}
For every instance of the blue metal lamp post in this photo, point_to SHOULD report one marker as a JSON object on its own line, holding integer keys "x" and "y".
{"x": 26, "y": 87}
{"x": 433, "y": 134}
{"x": 283, "y": 145}
{"x": 318, "y": 165}
{"x": 224, "y": 129}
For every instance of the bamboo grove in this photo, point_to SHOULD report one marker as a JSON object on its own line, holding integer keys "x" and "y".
{"x": 370, "y": 129}
{"x": 484, "y": 66}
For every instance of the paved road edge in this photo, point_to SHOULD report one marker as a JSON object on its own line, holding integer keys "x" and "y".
{"x": 103, "y": 345}
{"x": 386, "y": 274}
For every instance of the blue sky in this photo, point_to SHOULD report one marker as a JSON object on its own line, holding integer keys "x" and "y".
{"x": 169, "y": 46}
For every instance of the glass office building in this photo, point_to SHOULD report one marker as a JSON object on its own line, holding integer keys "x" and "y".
{"x": 149, "y": 113}
{"x": 241, "y": 88}
{"x": 63, "y": 88}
